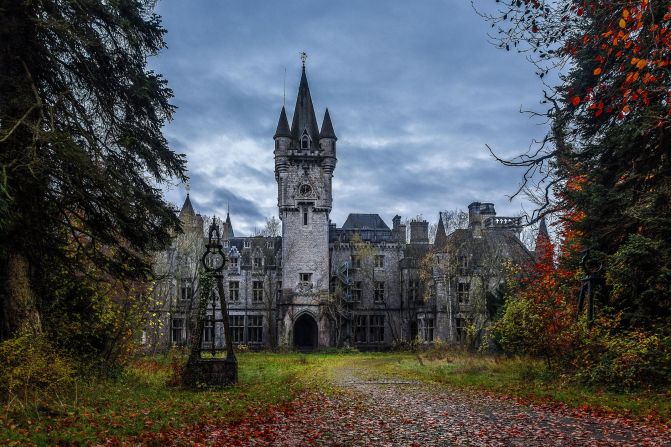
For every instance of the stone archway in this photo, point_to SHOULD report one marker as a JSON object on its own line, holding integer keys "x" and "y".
{"x": 305, "y": 332}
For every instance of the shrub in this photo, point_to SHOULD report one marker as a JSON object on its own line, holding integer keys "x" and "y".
{"x": 625, "y": 359}
{"x": 32, "y": 370}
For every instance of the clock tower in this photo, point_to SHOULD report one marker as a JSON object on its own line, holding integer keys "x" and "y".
{"x": 305, "y": 158}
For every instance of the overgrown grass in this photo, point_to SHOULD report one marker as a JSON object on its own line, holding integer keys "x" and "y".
{"x": 141, "y": 400}
{"x": 518, "y": 377}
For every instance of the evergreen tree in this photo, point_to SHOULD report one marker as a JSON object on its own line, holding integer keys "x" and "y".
{"x": 81, "y": 148}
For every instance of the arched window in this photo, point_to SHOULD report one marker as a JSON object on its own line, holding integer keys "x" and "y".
{"x": 305, "y": 140}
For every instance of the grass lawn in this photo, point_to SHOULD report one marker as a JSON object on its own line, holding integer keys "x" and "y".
{"x": 141, "y": 399}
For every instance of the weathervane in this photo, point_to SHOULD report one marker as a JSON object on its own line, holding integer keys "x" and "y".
{"x": 304, "y": 57}
{"x": 188, "y": 188}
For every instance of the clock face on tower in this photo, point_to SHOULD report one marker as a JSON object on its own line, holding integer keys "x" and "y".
{"x": 305, "y": 190}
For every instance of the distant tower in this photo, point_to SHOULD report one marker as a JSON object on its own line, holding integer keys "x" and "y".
{"x": 305, "y": 159}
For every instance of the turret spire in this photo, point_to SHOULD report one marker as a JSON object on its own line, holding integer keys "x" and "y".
{"x": 327, "y": 127}
{"x": 441, "y": 236}
{"x": 283, "y": 126}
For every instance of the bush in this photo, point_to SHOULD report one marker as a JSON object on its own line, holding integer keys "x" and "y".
{"x": 32, "y": 370}
{"x": 625, "y": 359}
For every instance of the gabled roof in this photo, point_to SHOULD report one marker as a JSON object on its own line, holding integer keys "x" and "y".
{"x": 283, "y": 126}
{"x": 327, "y": 127}
{"x": 364, "y": 221}
{"x": 304, "y": 113}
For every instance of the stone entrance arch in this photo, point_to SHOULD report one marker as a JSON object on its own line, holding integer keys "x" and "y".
{"x": 305, "y": 332}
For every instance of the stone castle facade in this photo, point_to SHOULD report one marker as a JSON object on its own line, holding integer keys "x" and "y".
{"x": 363, "y": 284}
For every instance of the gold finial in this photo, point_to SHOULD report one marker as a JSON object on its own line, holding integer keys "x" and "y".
{"x": 304, "y": 57}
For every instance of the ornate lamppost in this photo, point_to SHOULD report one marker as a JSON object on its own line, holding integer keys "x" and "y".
{"x": 213, "y": 371}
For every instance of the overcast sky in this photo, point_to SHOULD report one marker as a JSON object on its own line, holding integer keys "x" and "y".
{"x": 414, "y": 89}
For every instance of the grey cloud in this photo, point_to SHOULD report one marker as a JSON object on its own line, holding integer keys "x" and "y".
{"x": 414, "y": 90}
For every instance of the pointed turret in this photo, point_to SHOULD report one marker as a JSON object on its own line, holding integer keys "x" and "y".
{"x": 543, "y": 249}
{"x": 441, "y": 235}
{"x": 304, "y": 121}
{"x": 187, "y": 209}
{"x": 327, "y": 127}
{"x": 283, "y": 126}
{"x": 228, "y": 227}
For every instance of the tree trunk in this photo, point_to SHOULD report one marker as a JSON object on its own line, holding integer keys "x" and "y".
{"x": 19, "y": 310}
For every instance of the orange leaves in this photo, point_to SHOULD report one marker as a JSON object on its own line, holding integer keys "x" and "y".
{"x": 623, "y": 23}
{"x": 597, "y": 71}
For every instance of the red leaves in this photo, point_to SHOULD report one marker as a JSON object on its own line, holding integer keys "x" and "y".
{"x": 575, "y": 101}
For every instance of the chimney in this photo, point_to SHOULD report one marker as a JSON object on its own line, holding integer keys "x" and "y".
{"x": 478, "y": 213}
{"x": 419, "y": 232}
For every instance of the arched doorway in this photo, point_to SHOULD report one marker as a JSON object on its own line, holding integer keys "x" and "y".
{"x": 305, "y": 332}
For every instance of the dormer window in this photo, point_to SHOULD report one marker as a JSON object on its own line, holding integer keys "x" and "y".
{"x": 305, "y": 140}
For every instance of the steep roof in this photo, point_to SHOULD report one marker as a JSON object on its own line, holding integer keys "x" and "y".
{"x": 441, "y": 236}
{"x": 364, "y": 221}
{"x": 283, "y": 126}
{"x": 327, "y": 127}
{"x": 187, "y": 208}
{"x": 228, "y": 228}
{"x": 304, "y": 113}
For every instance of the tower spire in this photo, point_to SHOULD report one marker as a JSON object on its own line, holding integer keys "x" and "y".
{"x": 304, "y": 120}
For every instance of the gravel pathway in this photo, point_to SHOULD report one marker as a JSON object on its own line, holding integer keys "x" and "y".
{"x": 406, "y": 413}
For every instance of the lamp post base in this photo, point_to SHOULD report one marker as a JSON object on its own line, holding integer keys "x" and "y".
{"x": 211, "y": 372}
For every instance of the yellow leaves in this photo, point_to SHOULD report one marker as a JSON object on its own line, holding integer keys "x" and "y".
{"x": 623, "y": 23}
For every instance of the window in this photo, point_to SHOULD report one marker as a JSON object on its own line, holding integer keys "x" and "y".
{"x": 376, "y": 333}
{"x": 356, "y": 291}
{"x": 355, "y": 260}
{"x": 360, "y": 328}
{"x": 234, "y": 262}
{"x": 186, "y": 290}
{"x": 257, "y": 291}
{"x": 305, "y": 141}
{"x": 463, "y": 289}
{"x": 463, "y": 264}
{"x": 305, "y": 216}
{"x": 413, "y": 292}
{"x": 248, "y": 244}
{"x": 378, "y": 297}
{"x": 234, "y": 290}
{"x": 269, "y": 244}
{"x": 258, "y": 263}
{"x": 379, "y": 261}
{"x": 227, "y": 244}
{"x": 462, "y": 329}
{"x": 178, "y": 335}
{"x": 255, "y": 329}
{"x": 426, "y": 329}
{"x": 237, "y": 323}
{"x": 279, "y": 290}
{"x": 305, "y": 277}
{"x": 208, "y": 330}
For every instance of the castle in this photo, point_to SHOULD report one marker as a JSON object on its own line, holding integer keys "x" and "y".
{"x": 363, "y": 284}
